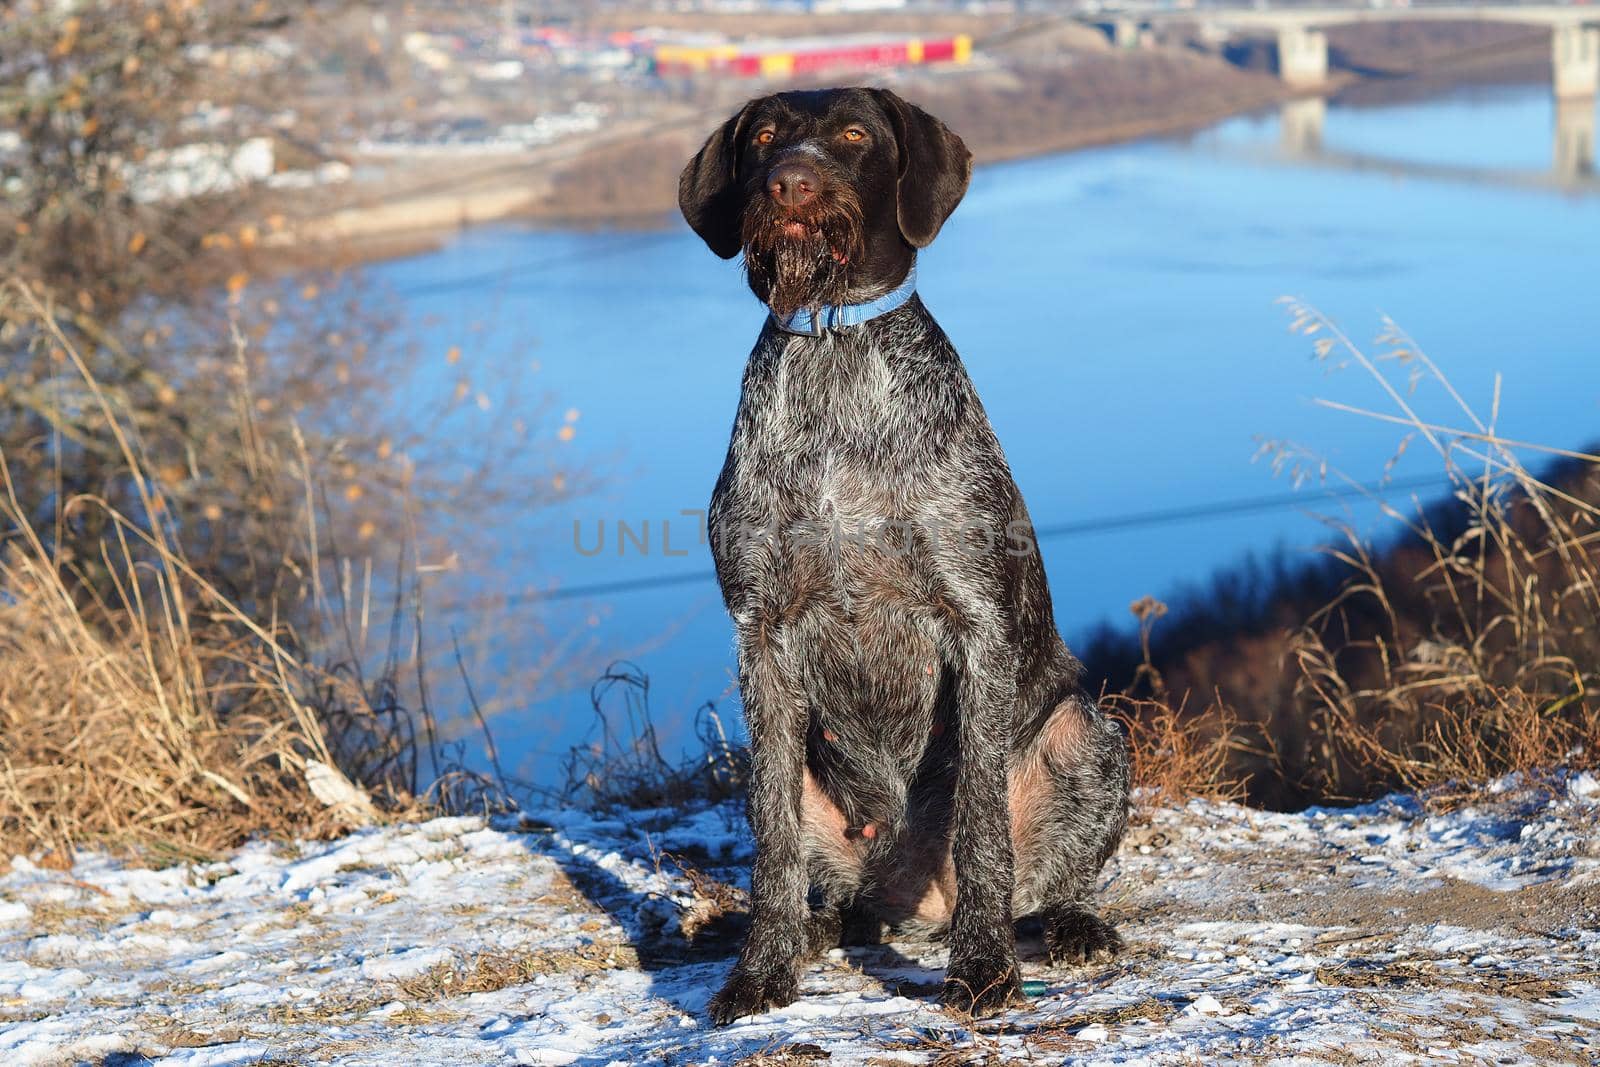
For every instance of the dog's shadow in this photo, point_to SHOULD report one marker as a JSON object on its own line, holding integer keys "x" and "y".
{"x": 686, "y": 970}
{"x": 682, "y": 971}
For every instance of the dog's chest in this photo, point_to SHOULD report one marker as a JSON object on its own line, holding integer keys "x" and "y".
{"x": 835, "y": 424}
{"x": 840, "y": 451}
{"x": 831, "y": 459}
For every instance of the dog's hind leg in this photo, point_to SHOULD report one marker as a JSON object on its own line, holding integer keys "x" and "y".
{"x": 1075, "y": 933}
{"x": 825, "y": 929}
{"x": 835, "y": 865}
{"x": 1069, "y": 804}
{"x": 837, "y": 924}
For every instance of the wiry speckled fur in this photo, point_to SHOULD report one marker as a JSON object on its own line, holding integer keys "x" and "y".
{"x": 911, "y": 682}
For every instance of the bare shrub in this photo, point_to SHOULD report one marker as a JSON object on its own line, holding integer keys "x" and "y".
{"x": 156, "y": 715}
{"x": 1466, "y": 648}
{"x": 625, "y": 767}
{"x": 143, "y": 704}
{"x": 102, "y": 93}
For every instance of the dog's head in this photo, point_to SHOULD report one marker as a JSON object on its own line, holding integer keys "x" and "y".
{"x": 828, "y": 193}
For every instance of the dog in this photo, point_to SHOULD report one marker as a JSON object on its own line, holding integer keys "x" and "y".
{"x": 922, "y": 751}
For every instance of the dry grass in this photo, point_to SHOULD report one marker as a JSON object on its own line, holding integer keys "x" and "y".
{"x": 1473, "y": 649}
{"x": 162, "y": 715}
{"x": 411, "y": 1016}
{"x": 1467, "y": 648}
{"x": 787, "y": 1055}
{"x": 715, "y": 909}
{"x": 1175, "y": 755}
{"x": 140, "y": 707}
{"x": 487, "y": 972}
{"x": 1428, "y": 974}
{"x": 161, "y": 720}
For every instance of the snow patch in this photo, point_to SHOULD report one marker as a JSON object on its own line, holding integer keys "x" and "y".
{"x": 1248, "y": 932}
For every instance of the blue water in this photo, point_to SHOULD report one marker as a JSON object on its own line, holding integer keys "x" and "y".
{"x": 1116, "y": 309}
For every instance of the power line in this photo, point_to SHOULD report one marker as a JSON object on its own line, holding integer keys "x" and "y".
{"x": 1232, "y": 507}
{"x": 622, "y": 585}
{"x": 482, "y": 278}
{"x": 1134, "y": 520}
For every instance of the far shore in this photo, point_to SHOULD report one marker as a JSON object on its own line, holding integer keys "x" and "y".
{"x": 406, "y": 226}
{"x": 1017, "y": 107}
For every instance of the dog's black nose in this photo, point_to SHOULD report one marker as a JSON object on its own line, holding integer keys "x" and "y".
{"x": 793, "y": 184}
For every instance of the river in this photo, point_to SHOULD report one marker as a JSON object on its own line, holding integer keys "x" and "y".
{"x": 1116, "y": 308}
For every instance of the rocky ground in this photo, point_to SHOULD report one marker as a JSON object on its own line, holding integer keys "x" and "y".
{"x": 1459, "y": 930}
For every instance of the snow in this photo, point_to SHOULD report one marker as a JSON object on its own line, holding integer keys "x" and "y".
{"x": 1386, "y": 933}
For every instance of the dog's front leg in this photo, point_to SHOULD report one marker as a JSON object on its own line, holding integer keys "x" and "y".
{"x": 767, "y": 974}
{"x": 983, "y": 976}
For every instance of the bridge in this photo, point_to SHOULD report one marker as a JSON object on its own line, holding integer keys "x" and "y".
{"x": 1303, "y": 44}
{"x": 1571, "y": 170}
{"x": 1303, "y": 53}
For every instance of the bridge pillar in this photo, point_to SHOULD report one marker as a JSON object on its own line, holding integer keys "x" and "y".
{"x": 1575, "y": 138}
{"x": 1124, "y": 32}
{"x": 1575, "y": 56}
{"x": 1303, "y": 57}
{"x": 1300, "y": 125}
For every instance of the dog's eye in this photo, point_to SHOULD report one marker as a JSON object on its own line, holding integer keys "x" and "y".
{"x": 855, "y": 133}
{"x": 765, "y": 137}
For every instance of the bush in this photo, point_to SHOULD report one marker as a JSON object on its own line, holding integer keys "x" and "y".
{"x": 1467, "y": 648}
{"x": 140, "y": 706}
{"x": 164, "y": 719}
{"x": 181, "y": 664}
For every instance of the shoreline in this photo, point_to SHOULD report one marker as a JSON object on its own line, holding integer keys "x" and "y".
{"x": 625, "y": 178}
{"x": 364, "y": 237}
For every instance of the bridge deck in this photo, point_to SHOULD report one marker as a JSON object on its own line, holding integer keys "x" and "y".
{"x": 1321, "y": 17}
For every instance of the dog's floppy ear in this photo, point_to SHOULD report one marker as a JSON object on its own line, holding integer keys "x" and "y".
{"x": 709, "y": 191}
{"x": 935, "y": 167}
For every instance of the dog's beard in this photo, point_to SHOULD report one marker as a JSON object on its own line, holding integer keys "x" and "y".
{"x": 796, "y": 261}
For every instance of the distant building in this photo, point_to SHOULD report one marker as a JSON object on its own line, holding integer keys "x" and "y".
{"x": 428, "y": 49}
{"x": 785, "y": 58}
{"x": 201, "y": 169}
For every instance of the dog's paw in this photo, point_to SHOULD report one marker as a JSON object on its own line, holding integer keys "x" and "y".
{"x": 1077, "y": 935}
{"x": 979, "y": 988}
{"x": 749, "y": 991}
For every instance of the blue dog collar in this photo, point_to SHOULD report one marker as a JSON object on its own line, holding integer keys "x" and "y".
{"x": 810, "y": 322}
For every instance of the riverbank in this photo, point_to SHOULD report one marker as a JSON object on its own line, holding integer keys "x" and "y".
{"x": 1060, "y": 89}
{"x": 1030, "y": 91}
{"x": 1002, "y": 114}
